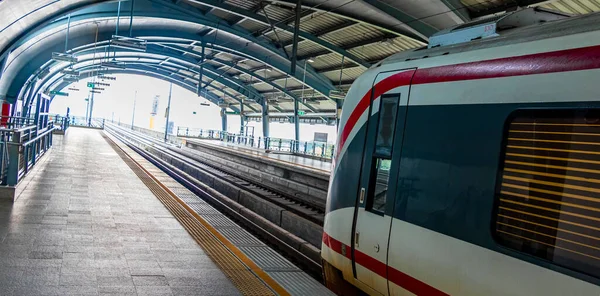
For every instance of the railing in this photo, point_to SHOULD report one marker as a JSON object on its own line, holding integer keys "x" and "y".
{"x": 81, "y": 121}
{"x": 20, "y": 149}
{"x": 156, "y": 134}
{"x": 60, "y": 122}
{"x": 316, "y": 149}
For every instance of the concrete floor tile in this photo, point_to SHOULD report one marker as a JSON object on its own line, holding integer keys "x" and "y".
{"x": 153, "y": 290}
{"x": 114, "y": 281}
{"x": 80, "y": 279}
{"x": 95, "y": 229}
{"x": 152, "y": 280}
{"x": 114, "y": 291}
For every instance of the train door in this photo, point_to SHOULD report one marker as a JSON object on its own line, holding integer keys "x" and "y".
{"x": 385, "y": 128}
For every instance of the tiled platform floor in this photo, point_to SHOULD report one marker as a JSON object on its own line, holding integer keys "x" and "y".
{"x": 86, "y": 225}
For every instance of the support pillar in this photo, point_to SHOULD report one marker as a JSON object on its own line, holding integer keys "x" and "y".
{"x": 265, "y": 118}
{"x": 168, "y": 112}
{"x": 295, "y": 38}
{"x": 91, "y": 110}
{"x": 296, "y": 125}
{"x": 224, "y": 119}
{"x": 242, "y": 118}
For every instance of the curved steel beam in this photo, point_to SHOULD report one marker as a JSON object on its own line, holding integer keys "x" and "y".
{"x": 245, "y": 71}
{"x": 320, "y": 85}
{"x": 48, "y": 18}
{"x": 191, "y": 64}
{"x": 142, "y": 9}
{"x": 59, "y": 84}
{"x": 265, "y": 21}
{"x": 402, "y": 24}
{"x": 157, "y": 69}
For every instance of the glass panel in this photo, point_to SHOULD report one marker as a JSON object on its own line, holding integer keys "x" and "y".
{"x": 548, "y": 197}
{"x": 387, "y": 123}
{"x": 382, "y": 175}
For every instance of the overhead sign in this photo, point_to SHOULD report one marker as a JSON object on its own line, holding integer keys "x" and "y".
{"x": 301, "y": 112}
{"x": 59, "y": 93}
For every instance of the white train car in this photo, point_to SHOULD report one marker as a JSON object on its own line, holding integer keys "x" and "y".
{"x": 472, "y": 168}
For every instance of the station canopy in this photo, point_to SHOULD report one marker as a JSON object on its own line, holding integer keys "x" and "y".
{"x": 232, "y": 52}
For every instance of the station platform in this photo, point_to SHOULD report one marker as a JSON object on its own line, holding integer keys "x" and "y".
{"x": 279, "y": 157}
{"x": 96, "y": 219}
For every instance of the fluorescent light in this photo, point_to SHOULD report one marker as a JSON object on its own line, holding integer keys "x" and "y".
{"x": 311, "y": 60}
{"x": 337, "y": 94}
{"x": 268, "y": 69}
{"x": 70, "y": 79}
{"x": 128, "y": 43}
{"x": 113, "y": 65}
{"x": 64, "y": 57}
{"x": 70, "y": 72}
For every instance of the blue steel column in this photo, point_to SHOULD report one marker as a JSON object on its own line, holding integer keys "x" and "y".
{"x": 168, "y": 112}
{"x": 133, "y": 112}
{"x": 296, "y": 125}
{"x": 295, "y": 37}
{"x": 224, "y": 119}
{"x": 201, "y": 68}
{"x": 131, "y": 19}
{"x": 91, "y": 110}
{"x": 242, "y": 118}
{"x": 265, "y": 118}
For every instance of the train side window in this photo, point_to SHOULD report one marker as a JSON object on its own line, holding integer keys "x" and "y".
{"x": 380, "y": 178}
{"x": 548, "y": 195}
{"x": 384, "y": 144}
{"x": 388, "y": 109}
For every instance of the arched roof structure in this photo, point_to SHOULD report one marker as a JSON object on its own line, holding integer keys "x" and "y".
{"x": 231, "y": 51}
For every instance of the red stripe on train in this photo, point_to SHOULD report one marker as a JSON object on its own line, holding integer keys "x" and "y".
{"x": 396, "y": 80}
{"x": 577, "y": 59}
{"x": 393, "y": 275}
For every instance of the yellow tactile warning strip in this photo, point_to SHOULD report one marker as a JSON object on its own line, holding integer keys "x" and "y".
{"x": 243, "y": 272}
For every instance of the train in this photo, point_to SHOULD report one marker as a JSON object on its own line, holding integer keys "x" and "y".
{"x": 472, "y": 166}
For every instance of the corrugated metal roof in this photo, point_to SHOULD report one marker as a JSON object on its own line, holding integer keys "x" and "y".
{"x": 383, "y": 49}
{"x": 575, "y": 6}
{"x": 352, "y": 34}
{"x": 317, "y": 24}
{"x": 477, "y": 5}
{"x": 278, "y": 14}
{"x": 250, "y": 5}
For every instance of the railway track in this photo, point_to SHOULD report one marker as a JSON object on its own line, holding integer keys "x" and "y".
{"x": 289, "y": 202}
{"x": 292, "y": 245}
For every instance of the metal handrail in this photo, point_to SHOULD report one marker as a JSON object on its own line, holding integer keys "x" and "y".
{"x": 309, "y": 148}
